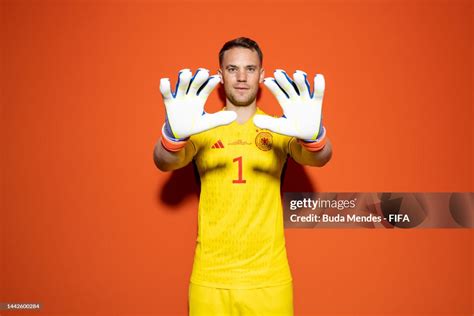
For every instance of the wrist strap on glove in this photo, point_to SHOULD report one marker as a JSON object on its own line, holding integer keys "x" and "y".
{"x": 316, "y": 145}
{"x": 172, "y": 144}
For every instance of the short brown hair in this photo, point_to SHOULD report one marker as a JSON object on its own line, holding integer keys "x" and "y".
{"x": 244, "y": 42}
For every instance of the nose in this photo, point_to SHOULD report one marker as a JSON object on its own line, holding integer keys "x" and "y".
{"x": 241, "y": 76}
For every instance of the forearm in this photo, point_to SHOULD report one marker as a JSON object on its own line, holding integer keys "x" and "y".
{"x": 167, "y": 161}
{"x": 311, "y": 158}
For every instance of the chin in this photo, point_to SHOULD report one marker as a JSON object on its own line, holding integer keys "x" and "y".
{"x": 242, "y": 104}
{"x": 245, "y": 102}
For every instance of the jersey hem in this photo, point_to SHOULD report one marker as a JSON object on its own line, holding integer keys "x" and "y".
{"x": 240, "y": 287}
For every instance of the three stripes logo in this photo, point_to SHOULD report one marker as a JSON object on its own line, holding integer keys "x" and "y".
{"x": 218, "y": 144}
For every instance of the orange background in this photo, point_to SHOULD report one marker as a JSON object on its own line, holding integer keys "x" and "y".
{"x": 89, "y": 225}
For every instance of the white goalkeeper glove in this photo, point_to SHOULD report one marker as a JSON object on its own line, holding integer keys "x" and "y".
{"x": 301, "y": 107}
{"x": 185, "y": 115}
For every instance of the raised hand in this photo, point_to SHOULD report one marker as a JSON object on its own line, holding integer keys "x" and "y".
{"x": 185, "y": 115}
{"x": 301, "y": 107}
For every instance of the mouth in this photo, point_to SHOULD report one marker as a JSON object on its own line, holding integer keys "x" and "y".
{"x": 241, "y": 88}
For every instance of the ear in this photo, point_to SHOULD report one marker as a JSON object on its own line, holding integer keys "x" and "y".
{"x": 262, "y": 75}
{"x": 219, "y": 72}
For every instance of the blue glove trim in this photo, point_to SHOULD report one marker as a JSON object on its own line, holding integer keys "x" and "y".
{"x": 169, "y": 133}
{"x": 176, "y": 88}
{"x": 321, "y": 133}
{"x": 311, "y": 93}
{"x": 203, "y": 85}
{"x": 191, "y": 81}
{"x": 292, "y": 83}
{"x": 287, "y": 96}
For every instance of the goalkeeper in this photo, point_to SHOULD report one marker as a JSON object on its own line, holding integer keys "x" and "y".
{"x": 240, "y": 263}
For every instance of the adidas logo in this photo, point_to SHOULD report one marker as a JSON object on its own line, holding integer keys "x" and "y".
{"x": 218, "y": 144}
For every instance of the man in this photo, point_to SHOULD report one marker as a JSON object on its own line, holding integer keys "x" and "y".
{"x": 240, "y": 264}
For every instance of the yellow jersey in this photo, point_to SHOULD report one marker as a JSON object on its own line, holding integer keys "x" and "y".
{"x": 241, "y": 241}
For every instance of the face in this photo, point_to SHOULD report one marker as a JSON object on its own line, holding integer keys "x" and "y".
{"x": 241, "y": 73}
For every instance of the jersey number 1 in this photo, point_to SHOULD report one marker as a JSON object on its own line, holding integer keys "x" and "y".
{"x": 239, "y": 161}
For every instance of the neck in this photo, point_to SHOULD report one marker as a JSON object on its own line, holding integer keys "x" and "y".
{"x": 244, "y": 113}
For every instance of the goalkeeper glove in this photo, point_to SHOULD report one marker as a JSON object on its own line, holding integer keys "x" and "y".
{"x": 302, "y": 109}
{"x": 185, "y": 115}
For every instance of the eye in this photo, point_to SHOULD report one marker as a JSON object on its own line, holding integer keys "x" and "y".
{"x": 251, "y": 69}
{"x": 232, "y": 69}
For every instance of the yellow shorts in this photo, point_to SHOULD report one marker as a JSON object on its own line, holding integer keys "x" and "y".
{"x": 208, "y": 301}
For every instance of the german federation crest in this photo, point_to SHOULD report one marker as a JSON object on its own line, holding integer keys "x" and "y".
{"x": 264, "y": 141}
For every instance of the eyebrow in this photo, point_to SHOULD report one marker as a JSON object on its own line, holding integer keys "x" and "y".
{"x": 235, "y": 66}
